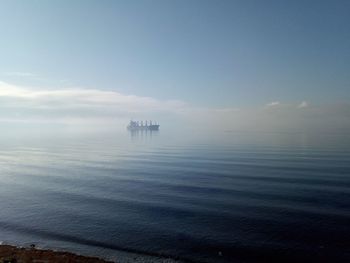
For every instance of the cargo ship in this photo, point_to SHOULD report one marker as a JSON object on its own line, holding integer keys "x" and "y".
{"x": 143, "y": 126}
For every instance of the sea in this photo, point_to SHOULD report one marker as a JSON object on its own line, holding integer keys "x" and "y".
{"x": 178, "y": 196}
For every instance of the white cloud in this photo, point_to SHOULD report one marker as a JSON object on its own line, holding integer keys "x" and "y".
{"x": 77, "y": 102}
{"x": 20, "y": 74}
{"x": 273, "y": 104}
{"x": 303, "y": 104}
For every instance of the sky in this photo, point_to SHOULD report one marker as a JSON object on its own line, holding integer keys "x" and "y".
{"x": 256, "y": 65}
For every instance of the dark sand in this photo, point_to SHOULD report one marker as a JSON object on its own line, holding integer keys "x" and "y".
{"x": 12, "y": 254}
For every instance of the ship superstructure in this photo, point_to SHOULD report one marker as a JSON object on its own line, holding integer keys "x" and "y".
{"x": 143, "y": 126}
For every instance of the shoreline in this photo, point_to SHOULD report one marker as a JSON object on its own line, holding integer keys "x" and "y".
{"x": 10, "y": 253}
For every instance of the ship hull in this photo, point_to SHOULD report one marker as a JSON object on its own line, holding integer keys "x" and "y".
{"x": 135, "y": 126}
{"x": 144, "y": 128}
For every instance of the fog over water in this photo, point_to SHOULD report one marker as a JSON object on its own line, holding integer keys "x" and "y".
{"x": 90, "y": 109}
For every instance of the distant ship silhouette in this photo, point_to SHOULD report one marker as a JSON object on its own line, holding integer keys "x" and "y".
{"x": 142, "y": 126}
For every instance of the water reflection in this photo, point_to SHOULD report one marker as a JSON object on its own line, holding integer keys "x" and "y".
{"x": 143, "y": 134}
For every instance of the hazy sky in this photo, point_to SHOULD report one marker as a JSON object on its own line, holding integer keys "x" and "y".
{"x": 232, "y": 62}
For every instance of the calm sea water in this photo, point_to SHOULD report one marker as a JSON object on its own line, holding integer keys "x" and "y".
{"x": 226, "y": 197}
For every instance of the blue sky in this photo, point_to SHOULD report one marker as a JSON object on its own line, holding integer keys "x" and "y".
{"x": 205, "y": 54}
